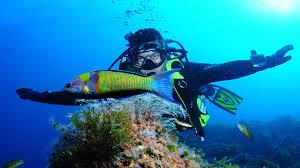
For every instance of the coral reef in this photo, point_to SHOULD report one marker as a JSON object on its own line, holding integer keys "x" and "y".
{"x": 276, "y": 143}
{"x": 131, "y": 132}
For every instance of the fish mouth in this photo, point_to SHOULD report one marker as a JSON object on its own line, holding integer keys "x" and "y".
{"x": 151, "y": 74}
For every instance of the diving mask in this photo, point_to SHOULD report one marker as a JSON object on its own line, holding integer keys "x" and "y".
{"x": 151, "y": 61}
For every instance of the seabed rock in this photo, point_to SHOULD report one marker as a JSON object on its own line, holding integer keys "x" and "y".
{"x": 131, "y": 132}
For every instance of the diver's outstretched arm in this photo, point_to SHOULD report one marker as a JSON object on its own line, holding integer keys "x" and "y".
{"x": 279, "y": 57}
{"x": 60, "y": 97}
{"x": 207, "y": 73}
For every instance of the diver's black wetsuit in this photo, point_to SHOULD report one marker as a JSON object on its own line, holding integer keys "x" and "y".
{"x": 200, "y": 74}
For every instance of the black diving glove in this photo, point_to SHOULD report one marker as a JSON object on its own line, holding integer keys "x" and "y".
{"x": 258, "y": 60}
{"x": 30, "y": 94}
{"x": 60, "y": 97}
{"x": 279, "y": 57}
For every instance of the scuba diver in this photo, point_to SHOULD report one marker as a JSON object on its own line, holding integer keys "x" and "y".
{"x": 149, "y": 54}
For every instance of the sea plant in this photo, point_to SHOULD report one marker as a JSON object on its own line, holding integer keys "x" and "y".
{"x": 223, "y": 163}
{"x": 104, "y": 129}
{"x": 100, "y": 135}
{"x": 185, "y": 153}
{"x": 171, "y": 148}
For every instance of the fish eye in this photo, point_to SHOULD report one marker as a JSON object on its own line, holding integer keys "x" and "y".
{"x": 68, "y": 85}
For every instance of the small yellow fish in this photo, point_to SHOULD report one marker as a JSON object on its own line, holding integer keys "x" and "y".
{"x": 13, "y": 164}
{"x": 244, "y": 130}
{"x": 183, "y": 124}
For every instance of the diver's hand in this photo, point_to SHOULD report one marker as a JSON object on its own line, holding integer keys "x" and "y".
{"x": 279, "y": 57}
{"x": 60, "y": 97}
{"x": 26, "y": 93}
{"x": 31, "y": 94}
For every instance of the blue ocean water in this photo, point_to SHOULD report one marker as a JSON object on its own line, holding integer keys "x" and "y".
{"x": 44, "y": 44}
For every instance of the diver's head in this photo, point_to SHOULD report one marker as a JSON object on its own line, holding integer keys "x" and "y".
{"x": 147, "y": 51}
{"x": 144, "y": 36}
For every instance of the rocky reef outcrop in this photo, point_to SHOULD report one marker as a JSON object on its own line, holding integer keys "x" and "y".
{"x": 131, "y": 132}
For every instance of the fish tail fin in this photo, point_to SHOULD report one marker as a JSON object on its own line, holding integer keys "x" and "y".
{"x": 163, "y": 84}
{"x": 248, "y": 133}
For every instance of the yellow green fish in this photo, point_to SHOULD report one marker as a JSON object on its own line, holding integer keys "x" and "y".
{"x": 244, "y": 130}
{"x": 105, "y": 84}
{"x": 102, "y": 84}
{"x": 13, "y": 164}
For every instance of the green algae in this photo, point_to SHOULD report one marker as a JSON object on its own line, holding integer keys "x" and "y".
{"x": 171, "y": 148}
{"x": 93, "y": 136}
{"x": 109, "y": 128}
{"x": 148, "y": 151}
{"x": 185, "y": 153}
{"x": 223, "y": 163}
